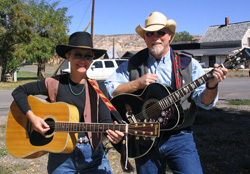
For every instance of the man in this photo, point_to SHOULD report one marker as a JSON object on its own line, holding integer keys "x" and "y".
{"x": 158, "y": 63}
{"x": 76, "y": 89}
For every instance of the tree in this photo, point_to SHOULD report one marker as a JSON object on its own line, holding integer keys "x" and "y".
{"x": 183, "y": 36}
{"x": 15, "y": 28}
{"x": 50, "y": 28}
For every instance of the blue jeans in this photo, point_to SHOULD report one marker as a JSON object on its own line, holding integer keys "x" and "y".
{"x": 178, "y": 151}
{"x": 82, "y": 160}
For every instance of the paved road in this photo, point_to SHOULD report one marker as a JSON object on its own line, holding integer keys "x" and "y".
{"x": 231, "y": 88}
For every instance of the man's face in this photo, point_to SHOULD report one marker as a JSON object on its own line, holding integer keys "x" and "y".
{"x": 158, "y": 42}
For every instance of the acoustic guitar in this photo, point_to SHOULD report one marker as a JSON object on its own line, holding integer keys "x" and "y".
{"x": 23, "y": 142}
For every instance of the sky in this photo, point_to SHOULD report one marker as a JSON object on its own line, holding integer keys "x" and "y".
{"x": 112, "y": 17}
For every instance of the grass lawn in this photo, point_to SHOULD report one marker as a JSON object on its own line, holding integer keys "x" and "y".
{"x": 22, "y": 78}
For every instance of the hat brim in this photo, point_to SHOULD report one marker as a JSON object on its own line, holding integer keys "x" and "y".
{"x": 171, "y": 24}
{"x": 61, "y": 50}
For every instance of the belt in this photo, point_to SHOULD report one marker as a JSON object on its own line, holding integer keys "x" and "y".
{"x": 83, "y": 140}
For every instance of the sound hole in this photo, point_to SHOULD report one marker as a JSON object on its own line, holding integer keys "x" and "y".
{"x": 37, "y": 139}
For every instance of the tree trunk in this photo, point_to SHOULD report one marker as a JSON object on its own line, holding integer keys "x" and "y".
{"x": 3, "y": 71}
{"x": 41, "y": 69}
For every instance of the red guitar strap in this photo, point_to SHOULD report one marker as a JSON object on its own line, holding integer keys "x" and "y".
{"x": 103, "y": 97}
{"x": 177, "y": 67}
{"x": 127, "y": 166}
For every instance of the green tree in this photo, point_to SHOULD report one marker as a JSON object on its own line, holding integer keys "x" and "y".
{"x": 15, "y": 28}
{"x": 49, "y": 30}
{"x": 183, "y": 36}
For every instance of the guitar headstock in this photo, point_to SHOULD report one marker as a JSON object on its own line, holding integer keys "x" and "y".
{"x": 144, "y": 129}
{"x": 237, "y": 59}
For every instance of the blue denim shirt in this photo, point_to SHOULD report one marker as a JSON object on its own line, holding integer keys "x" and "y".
{"x": 163, "y": 69}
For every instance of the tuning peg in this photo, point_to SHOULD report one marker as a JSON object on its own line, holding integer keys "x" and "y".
{"x": 151, "y": 120}
{"x": 145, "y": 121}
{"x": 143, "y": 132}
{"x": 135, "y": 132}
{"x": 137, "y": 138}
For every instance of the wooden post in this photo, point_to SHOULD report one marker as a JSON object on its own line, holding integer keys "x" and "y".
{"x": 92, "y": 20}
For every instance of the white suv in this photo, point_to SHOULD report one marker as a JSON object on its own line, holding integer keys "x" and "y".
{"x": 100, "y": 69}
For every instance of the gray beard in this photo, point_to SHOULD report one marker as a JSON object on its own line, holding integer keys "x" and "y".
{"x": 157, "y": 51}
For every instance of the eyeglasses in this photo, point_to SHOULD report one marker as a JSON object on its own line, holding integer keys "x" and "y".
{"x": 160, "y": 33}
{"x": 85, "y": 56}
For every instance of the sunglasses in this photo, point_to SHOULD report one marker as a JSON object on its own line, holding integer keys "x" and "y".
{"x": 85, "y": 56}
{"x": 160, "y": 33}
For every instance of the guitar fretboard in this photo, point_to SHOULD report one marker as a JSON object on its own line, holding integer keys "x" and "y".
{"x": 87, "y": 127}
{"x": 178, "y": 94}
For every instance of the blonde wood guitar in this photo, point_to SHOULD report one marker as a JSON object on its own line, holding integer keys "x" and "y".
{"x": 23, "y": 142}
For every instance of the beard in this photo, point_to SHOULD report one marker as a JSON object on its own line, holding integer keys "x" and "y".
{"x": 157, "y": 50}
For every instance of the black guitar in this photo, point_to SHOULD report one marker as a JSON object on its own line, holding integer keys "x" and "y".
{"x": 159, "y": 103}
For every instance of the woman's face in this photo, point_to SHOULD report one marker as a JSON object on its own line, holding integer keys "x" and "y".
{"x": 80, "y": 60}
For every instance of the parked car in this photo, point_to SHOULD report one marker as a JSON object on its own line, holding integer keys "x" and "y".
{"x": 205, "y": 67}
{"x": 65, "y": 67}
{"x": 100, "y": 69}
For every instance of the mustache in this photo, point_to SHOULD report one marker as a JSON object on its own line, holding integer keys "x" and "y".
{"x": 156, "y": 42}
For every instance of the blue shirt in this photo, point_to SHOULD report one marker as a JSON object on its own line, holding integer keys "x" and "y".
{"x": 163, "y": 69}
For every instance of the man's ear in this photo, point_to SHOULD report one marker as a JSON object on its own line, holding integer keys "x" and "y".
{"x": 170, "y": 36}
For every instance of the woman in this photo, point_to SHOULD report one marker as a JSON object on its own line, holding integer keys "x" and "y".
{"x": 74, "y": 88}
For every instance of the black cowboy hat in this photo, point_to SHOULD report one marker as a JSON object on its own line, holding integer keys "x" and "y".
{"x": 79, "y": 40}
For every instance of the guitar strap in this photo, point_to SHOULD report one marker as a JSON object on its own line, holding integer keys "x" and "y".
{"x": 103, "y": 97}
{"x": 127, "y": 166}
{"x": 177, "y": 67}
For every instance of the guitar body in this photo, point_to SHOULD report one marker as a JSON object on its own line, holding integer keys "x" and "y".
{"x": 137, "y": 108}
{"x": 23, "y": 142}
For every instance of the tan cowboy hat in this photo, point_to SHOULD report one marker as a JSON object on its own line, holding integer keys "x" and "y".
{"x": 157, "y": 21}
{"x": 79, "y": 40}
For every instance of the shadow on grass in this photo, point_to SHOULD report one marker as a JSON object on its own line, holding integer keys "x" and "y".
{"x": 222, "y": 140}
{"x": 26, "y": 78}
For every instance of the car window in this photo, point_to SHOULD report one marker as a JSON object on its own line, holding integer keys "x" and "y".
{"x": 119, "y": 62}
{"x": 98, "y": 64}
{"x": 109, "y": 64}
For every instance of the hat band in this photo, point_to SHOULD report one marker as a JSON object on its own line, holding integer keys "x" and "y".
{"x": 155, "y": 24}
{"x": 80, "y": 46}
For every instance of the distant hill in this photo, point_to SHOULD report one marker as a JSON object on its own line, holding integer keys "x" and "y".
{"x": 123, "y": 42}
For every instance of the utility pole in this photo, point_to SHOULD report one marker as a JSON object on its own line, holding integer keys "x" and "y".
{"x": 113, "y": 48}
{"x": 92, "y": 20}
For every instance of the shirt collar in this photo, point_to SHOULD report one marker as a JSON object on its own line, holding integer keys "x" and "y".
{"x": 162, "y": 60}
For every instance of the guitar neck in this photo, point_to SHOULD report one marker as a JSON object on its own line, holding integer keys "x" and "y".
{"x": 88, "y": 127}
{"x": 178, "y": 94}
{"x": 138, "y": 129}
